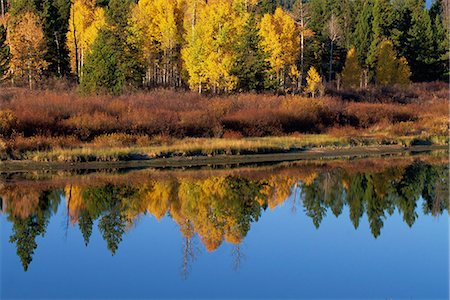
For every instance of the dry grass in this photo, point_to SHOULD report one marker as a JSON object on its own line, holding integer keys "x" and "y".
{"x": 211, "y": 147}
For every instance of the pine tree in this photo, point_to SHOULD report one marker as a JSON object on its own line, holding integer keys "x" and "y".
{"x": 102, "y": 72}
{"x": 381, "y": 28}
{"x": 363, "y": 36}
{"x": 414, "y": 39}
{"x": 114, "y": 63}
{"x": 250, "y": 66}
{"x": 351, "y": 74}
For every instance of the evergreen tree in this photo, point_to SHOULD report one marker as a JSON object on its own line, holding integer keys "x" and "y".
{"x": 363, "y": 36}
{"x": 114, "y": 63}
{"x": 55, "y": 29}
{"x": 102, "y": 72}
{"x": 250, "y": 66}
{"x": 381, "y": 28}
{"x": 85, "y": 223}
{"x": 441, "y": 30}
{"x": 112, "y": 227}
{"x": 414, "y": 39}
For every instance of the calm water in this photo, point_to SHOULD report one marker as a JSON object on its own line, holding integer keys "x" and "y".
{"x": 366, "y": 228}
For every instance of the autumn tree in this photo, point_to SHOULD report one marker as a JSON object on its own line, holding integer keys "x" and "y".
{"x": 281, "y": 42}
{"x": 4, "y": 52}
{"x": 86, "y": 19}
{"x": 209, "y": 55}
{"x": 351, "y": 74}
{"x": 313, "y": 82}
{"x": 157, "y": 27}
{"x": 391, "y": 70}
{"x": 28, "y": 48}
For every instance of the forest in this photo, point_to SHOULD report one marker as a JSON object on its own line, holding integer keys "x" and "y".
{"x": 109, "y": 80}
{"x": 223, "y": 46}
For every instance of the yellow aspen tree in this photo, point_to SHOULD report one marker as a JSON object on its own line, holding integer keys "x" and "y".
{"x": 209, "y": 54}
{"x": 28, "y": 47}
{"x": 313, "y": 82}
{"x": 157, "y": 26}
{"x": 86, "y": 19}
{"x": 351, "y": 74}
{"x": 281, "y": 41}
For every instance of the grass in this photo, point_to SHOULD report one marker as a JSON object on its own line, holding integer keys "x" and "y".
{"x": 212, "y": 147}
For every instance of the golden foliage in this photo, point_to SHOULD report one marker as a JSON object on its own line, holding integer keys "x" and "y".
{"x": 28, "y": 47}
{"x": 351, "y": 74}
{"x": 86, "y": 19}
{"x": 313, "y": 82}
{"x": 281, "y": 41}
{"x": 391, "y": 70}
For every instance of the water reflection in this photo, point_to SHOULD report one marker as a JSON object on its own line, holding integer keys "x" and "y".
{"x": 220, "y": 206}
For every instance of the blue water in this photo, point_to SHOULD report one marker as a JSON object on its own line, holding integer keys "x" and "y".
{"x": 283, "y": 256}
{"x": 276, "y": 232}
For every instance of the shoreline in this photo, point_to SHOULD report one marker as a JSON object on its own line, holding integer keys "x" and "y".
{"x": 11, "y": 166}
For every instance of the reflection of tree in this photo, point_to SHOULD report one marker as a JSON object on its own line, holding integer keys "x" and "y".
{"x": 409, "y": 190}
{"x": 109, "y": 203}
{"x": 354, "y": 198}
{"x": 85, "y": 224}
{"x": 26, "y": 230}
{"x": 223, "y": 208}
{"x": 112, "y": 227}
{"x": 436, "y": 190}
{"x": 238, "y": 256}
{"x": 313, "y": 203}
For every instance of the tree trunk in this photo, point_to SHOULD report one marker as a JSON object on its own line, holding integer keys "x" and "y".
{"x": 3, "y": 8}
{"x": 302, "y": 46}
{"x": 59, "y": 53}
{"x": 75, "y": 44}
{"x": 330, "y": 75}
{"x": 29, "y": 78}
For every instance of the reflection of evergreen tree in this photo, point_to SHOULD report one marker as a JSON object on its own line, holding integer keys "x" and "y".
{"x": 313, "y": 204}
{"x": 112, "y": 227}
{"x": 375, "y": 207}
{"x": 107, "y": 203}
{"x": 354, "y": 198}
{"x": 25, "y": 231}
{"x": 409, "y": 190}
{"x": 241, "y": 204}
{"x": 333, "y": 190}
{"x": 24, "y": 235}
{"x": 85, "y": 223}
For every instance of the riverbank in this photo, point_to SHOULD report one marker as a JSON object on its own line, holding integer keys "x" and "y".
{"x": 180, "y": 161}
